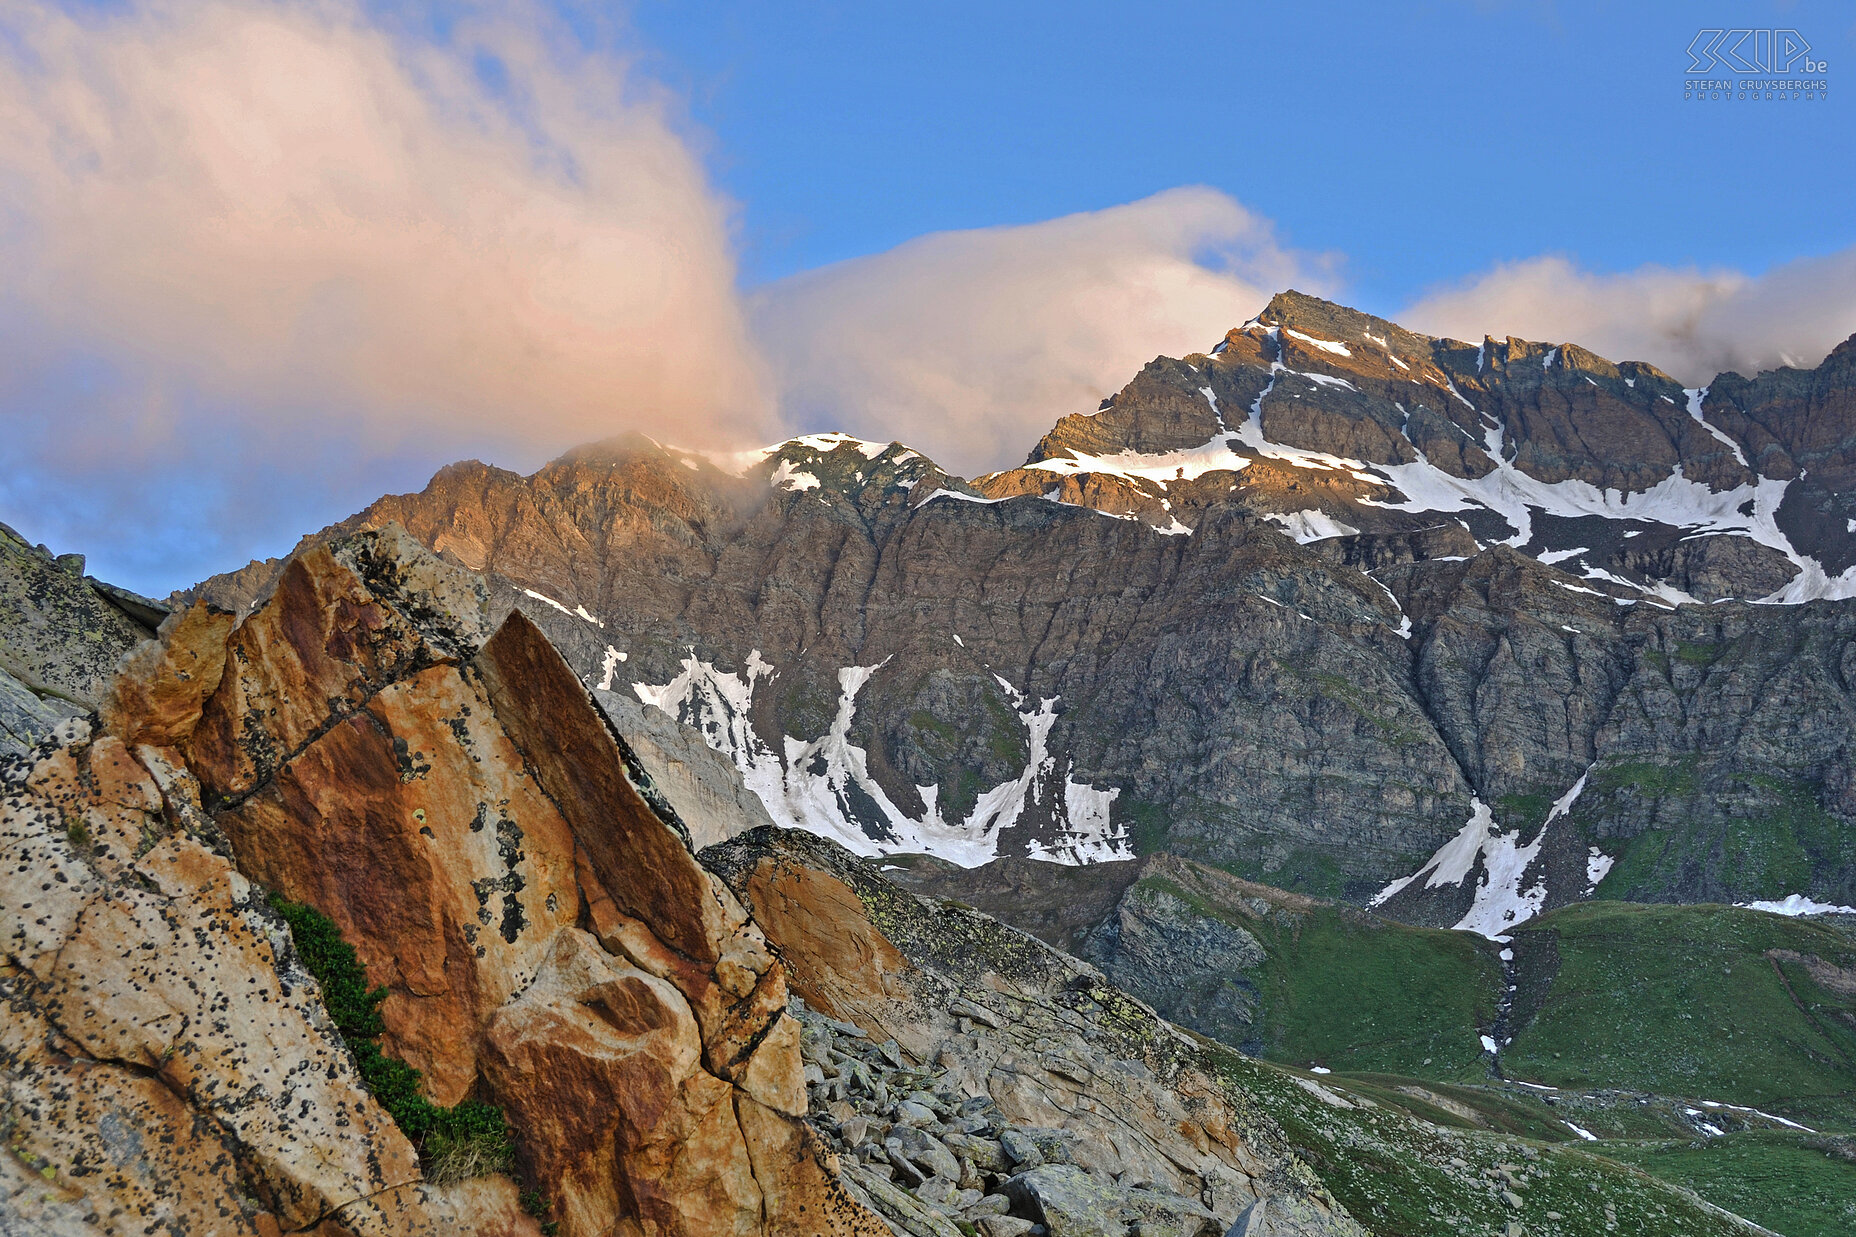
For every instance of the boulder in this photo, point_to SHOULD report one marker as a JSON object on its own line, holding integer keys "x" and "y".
{"x": 1068, "y": 1202}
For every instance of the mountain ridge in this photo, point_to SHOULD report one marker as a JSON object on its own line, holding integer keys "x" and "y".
{"x": 1319, "y": 671}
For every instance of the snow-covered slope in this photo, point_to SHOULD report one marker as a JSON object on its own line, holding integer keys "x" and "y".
{"x": 823, "y": 784}
{"x": 1611, "y": 473}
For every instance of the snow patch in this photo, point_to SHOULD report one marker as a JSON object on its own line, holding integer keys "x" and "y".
{"x": 1307, "y": 526}
{"x": 1597, "y": 867}
{"x": 547, "y": 600}
{"x": 831, "y": 442}
{"x": 609, "y": 667}
{"x": 965, "y": 498}
{"x": 1326, "y": 345}
{"x": 1500, "y": 901}
{"x": 789, "y": 476}
{"x": 1585, "y": 1134}
{"x": 1695, "y": 397}
{"x": 1756, "y": 1112}
{"x": 1798, "y": 904}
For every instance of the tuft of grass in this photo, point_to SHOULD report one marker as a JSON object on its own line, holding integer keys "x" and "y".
{"x": 539, "y": 1205}
{"x": 468, "y": 1139}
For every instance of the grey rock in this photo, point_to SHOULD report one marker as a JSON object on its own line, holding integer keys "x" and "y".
{"x": 963, "y": 1008}
{"x": 1029, "y": 1144}
{"x": 927, "y": 1152}
{"x": 1162, "y": 1212}
{"x": 986, "y": 1154}
{"x": 700, "y": 782}
{"x": 1250, "y": 1222}
{"x": 1003, "y": 1225}
{"x": 914, "y": 1114}
{"x": 898, "y": 1206}
{"x": 62, "y": 634}
{"x": 1022, "y": 1150}
{"x": 1068, "y": 1201}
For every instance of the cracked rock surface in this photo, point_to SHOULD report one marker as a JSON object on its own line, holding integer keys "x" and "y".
{"x": 456, "y": 803}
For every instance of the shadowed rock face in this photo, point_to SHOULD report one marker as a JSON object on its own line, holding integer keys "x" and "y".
{"x": 461, "y": 810}
{"x": 61, "y": 634}
{"x": 1301, "y": 656}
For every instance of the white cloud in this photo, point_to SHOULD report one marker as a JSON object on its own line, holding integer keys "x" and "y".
{"x": 1693, "y": 324}
{"x": 969, "y": 345}
{"x": 262, "y": 214}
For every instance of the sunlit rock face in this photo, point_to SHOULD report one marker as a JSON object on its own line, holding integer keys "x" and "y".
{"x": 450, "y": 796}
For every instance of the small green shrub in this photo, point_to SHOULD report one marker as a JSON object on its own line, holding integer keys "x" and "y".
{"x": 538, "y": 1205}
{"x": 469, "y": 1139}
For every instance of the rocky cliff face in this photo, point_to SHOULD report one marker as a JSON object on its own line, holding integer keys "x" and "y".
{"x": 450, "y": 797}
{"x": 1337, "y": 607}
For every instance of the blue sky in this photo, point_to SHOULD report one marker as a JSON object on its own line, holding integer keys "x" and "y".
{"x": 269, "y": 259}
{"x": 1424, "y": 141}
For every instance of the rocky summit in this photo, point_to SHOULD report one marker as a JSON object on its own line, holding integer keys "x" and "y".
{"x": 1297, "y": 802}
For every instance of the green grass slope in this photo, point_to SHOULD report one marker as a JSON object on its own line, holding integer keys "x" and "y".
{"x": 1800, "y": 1185}
{"x": 1357, "y": 993}
{"x": 1703, "y": 1002}
{"x": 1404, "y": 1167}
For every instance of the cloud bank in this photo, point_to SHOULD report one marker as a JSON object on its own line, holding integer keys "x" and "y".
{"x": 236, "y": 233}
{"x": 969, "y": 345}
{"x": 1692, "y": 324}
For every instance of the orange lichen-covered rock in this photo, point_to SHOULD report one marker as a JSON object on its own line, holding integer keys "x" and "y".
{"x": 158, "y": 698}
{"x": 645, "y": 868}
{"x": 601, "y": 1064}
{"x": 458, "y": 808}
{"x": 166, "y": 1062}
{"x": 414, "y": 825}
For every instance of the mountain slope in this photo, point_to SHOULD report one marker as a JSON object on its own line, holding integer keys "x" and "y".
{"x": 1377, "y": 607}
